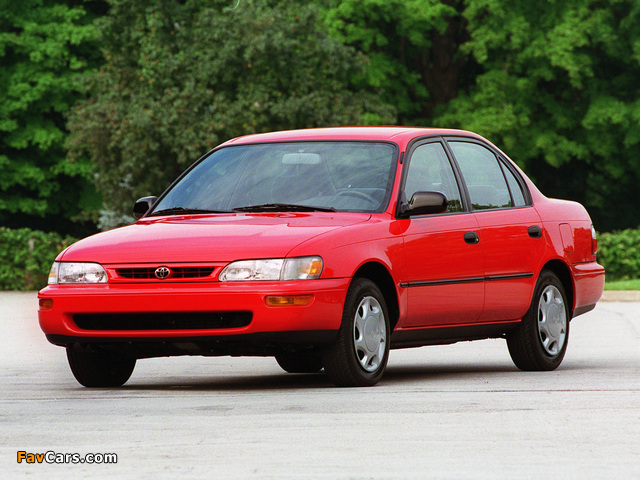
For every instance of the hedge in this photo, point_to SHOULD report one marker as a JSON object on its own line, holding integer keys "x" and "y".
{"x": 26, "y": 257}
{"x": 619, "y": 253}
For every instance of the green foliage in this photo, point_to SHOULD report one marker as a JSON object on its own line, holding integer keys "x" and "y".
{"x": 619, "y": 253}
{"x": 554, "y": 83}
{"x": 45, "y": 47}
{"x": 26, "y": 257}
{"x": 558, "y": 89}
{"x": 622, "y": 284}
{"x": 411, "y": 46}
{"x": 181, "y": 77}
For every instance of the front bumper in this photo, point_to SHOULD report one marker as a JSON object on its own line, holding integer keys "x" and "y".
{"x": 63, "y": 315}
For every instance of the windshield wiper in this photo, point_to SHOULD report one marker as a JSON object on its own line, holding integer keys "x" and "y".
{"x": 282, "y": 207}
{"x": 184, "y": 211}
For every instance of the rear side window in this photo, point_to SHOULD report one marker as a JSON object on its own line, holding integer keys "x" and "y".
{"x": 514, "y": 187}
{"x": 486, "y": 178}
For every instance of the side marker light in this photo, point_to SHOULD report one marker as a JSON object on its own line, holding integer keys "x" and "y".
{"x": 45, "y": 303}
{"x": 288, "y": 300}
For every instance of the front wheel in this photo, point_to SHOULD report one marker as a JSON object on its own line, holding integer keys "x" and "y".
{"x": 540, "y": 341}
{"x": 359, "y": 355}
{"x": 99, "y": 369}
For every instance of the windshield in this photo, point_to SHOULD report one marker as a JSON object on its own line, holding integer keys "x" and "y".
{"x": 301, "y": 176}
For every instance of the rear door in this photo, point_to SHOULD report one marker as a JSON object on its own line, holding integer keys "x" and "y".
{"x": 509, "y": 228}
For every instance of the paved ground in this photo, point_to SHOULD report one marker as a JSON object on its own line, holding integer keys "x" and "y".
{"x": 451, "y": 412}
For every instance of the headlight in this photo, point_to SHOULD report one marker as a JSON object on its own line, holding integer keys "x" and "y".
{"x": 70, "y": 273}
{"x": 302, "y": 268}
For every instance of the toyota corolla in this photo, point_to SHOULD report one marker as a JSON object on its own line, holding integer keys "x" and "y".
{"x": 326, "y": 248}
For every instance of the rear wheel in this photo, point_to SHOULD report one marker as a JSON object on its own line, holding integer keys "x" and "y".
{"x": 540, "y": 342}
{"x": 359, "y": 355}
{"x": 99, "y": 369}
{"x": 299, "y": 362}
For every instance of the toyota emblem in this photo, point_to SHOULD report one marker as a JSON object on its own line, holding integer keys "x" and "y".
{"x": 162, "y": 273}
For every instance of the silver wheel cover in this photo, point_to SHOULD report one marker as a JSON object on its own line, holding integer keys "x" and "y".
{"x": 369, "y": 334}
{"x": 552, "y": 320}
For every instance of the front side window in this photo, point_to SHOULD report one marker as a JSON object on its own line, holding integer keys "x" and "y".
{"x": 430, "y": 171}
{"x": 299, "y": 176}
{"x": 483, "y": 176}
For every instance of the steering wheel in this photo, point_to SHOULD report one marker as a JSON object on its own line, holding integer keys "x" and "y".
{"x": 358, "y": 194}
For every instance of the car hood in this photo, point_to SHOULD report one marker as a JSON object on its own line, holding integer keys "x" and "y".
{"x": 207, "y": 238}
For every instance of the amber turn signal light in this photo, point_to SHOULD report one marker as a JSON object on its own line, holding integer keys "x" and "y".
{"x": 288, "y": 300}
{"x": 45, "y": 303}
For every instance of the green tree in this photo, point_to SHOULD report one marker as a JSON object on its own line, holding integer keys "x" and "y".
{"x": 554, "y": 83}
{"x": 558, "y": 87}
{"x": 180, "y": 77}
{"x": 45, "y": 47}
{"x": 412, "y": 46}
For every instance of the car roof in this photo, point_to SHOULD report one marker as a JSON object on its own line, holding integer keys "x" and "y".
{"x": 399, "y": 135}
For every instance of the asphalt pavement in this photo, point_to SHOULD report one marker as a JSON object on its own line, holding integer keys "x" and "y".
{"x": 461, "y": 411}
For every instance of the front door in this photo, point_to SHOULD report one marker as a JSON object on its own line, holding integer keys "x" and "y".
{"x": 444, "y": 277}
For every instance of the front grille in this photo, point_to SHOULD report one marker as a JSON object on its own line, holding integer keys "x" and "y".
{"x": 162, "y": 321}
{"x": 176, "y": 272}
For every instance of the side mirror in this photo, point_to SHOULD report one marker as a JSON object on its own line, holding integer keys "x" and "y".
{"x": 143, "y": 205}
{"x": 424, "y": 203}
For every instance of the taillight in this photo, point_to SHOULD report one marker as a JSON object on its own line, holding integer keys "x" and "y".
{"x": 594, "y": 241}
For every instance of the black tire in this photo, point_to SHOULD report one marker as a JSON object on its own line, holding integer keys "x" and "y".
{"x": 99, "y": 369}
{"x": 299, "y": 362}
{"x": 540, "y": 341}
{"x": 359, "y": 355}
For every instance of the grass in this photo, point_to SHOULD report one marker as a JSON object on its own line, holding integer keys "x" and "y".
{"x": 623, "y": 285}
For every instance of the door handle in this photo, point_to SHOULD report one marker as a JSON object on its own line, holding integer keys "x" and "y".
{"x": 471, "y": 238}
{"x": 535, "y": 231}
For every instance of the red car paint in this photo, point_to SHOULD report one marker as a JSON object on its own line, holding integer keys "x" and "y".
{"x": 439, "y": 285}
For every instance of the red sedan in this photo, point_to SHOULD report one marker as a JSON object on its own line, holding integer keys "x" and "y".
{"x": 326, "y": 248}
